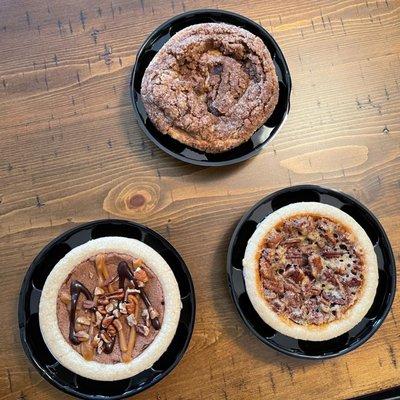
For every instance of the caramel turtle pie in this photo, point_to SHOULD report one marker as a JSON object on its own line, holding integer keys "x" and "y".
{"x": 310, "y": 271}
{"x": 110, "y": 308}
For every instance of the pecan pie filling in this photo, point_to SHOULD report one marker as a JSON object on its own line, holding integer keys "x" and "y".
{"x": 311, "y": 270}
{"x": 110, "y": 308}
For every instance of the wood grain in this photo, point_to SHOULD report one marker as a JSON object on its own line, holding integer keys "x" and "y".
{"x": 71, "y": 151}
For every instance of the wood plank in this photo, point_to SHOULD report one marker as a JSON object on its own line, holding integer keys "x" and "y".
{"x": 71, "y": 151}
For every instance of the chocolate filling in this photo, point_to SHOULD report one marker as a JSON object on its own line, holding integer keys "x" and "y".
{"x": 105, "y": 320}
{"x": 311, "y": 270}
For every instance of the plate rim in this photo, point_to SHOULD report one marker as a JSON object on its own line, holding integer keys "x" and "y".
{"x": 22, "y": 314}
{"x": 268, "y": 342}
{"x": 207, "y": 163}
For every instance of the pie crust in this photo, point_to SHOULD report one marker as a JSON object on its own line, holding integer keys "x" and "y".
{"x": 282, "y": 323}
{"x": 63, "y": 351}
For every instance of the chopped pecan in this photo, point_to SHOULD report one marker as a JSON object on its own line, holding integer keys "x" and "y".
{"x": 266, "y": 269}
{"x": 273, "y": 285}
{"x": 88, "y": 304}
{"x": 334, "y": 296}
{"x": 110, "y": 308}
{"x": 354, "y": 282}
{"x": 278, "y": 305}
{"x": 99, "y": 318}
{"x": 315, "y": 317}
{"x": 296, "y": 315}
{"x": 98, "y": 291}
{"x": 102, "y": 300}
{"x": 130, "y": 291}
{"x": 291, "y": 241}
{"x": 316, "y": 264}
{"x": 291, "y": 299}
{"x": 107, "y": 321}
{"x": 291, "y": 287}
{"x": 153, "y": 312}
{"x": 130, "y": 308}
{"x": 140, "y": 275}
{"x": 294, "y": 273}
{"x": 146, "y": 316}
{"x": 82, "y": 336}
{"x": 83, "y": 321}
{"x": 142, "y": 330}
{"x": 131, "y": 320}
{"x": 274, "y": 240}
{"x": 330, "y": 253}
{"x": 269, "y": 294}
{"x": 101, "y": 310}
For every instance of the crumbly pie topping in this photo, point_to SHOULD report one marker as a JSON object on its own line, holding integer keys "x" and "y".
{"x": 311, "y": 269}
{"x": 112, "y": 316}
{"x": 211, "y": 86}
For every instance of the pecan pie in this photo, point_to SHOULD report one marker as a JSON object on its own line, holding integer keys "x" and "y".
{"x": 109, "y": 308}
{"x": 310, "y": 271}
{"x": 211, "y": 86}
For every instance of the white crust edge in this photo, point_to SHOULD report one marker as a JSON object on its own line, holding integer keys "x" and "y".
{"x": 53, "y": 337}
{"x": 313, "y": 333}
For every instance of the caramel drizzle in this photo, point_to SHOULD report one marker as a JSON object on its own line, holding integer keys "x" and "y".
{"x": 124, "y": 272}
{"x": 76, "y": 289}
{"x": 103, "y": 276}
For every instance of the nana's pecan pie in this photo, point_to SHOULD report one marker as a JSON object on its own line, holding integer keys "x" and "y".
{"x": 211, "y": 86}
{"x": 110, "y": 308}
{"x": 310, "y": 271}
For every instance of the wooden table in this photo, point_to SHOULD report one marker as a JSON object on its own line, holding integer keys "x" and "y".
{"x": 71, "y": 151}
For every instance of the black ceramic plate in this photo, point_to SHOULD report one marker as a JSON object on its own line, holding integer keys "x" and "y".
{"x": 31, "y": 289}
{"x": 188, "y": 154}
{"x": 386, "y": 264}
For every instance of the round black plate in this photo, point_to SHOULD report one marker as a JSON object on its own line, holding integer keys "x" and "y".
{"x": 29, "y": 297}
{"x": 188, "y": 154}
{"x": 386, "y": 263}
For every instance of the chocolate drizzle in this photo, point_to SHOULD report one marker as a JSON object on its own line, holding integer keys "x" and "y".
{"x": 109, "y": 347}
{"x": 124, "y": 272}
{"x": 76, "y": 289}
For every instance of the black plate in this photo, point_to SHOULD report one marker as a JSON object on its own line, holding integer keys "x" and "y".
{"x": 188, "y": 154}
{"x": 386, "y": 264}
{"x": 28, "y": 318}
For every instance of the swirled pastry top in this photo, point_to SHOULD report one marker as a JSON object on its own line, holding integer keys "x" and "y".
{"x": 211, "y": 86}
